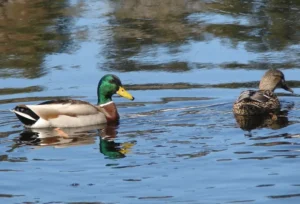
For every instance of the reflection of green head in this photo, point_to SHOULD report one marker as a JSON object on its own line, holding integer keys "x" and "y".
{"x": 110, "y": 149}
{"x": 108, "y": 86}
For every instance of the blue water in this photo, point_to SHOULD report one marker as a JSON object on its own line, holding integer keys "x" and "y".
{"x": 185, "y": 62}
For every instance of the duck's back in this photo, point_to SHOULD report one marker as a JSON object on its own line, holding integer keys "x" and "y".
{"x": 252, "y": 102}
{"x": 60, "y": 113}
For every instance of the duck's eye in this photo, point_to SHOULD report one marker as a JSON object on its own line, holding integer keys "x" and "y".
{"x": 112, "y": 81}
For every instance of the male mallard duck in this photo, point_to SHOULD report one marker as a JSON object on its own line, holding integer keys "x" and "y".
{"x": 262, "y": 101}
{"x": 75, "y": 113}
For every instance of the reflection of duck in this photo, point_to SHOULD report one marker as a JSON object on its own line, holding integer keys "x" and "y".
{"x": 75, "y": 113}
{"x": 263, "y": 101}
{"x": 110, "y": 148}
{"x": 249, "y": 123}
{"x": 66, "y": 137}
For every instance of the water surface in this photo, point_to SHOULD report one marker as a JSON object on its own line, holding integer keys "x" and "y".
{"x": 178, "y": 142}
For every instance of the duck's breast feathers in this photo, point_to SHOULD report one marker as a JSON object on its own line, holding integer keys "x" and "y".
{"x": 72, "y": 108}
{"x": 258, "y": 96}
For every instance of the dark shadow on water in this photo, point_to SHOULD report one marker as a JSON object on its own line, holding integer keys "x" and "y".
{"x": 180, "y": 85}
{"x": 284, "y": 196}
{"x": 29, "y": 89}
{"x": 68, "y": 137}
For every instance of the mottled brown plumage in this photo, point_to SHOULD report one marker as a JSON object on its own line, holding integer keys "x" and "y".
{"x": 262, "y": 101}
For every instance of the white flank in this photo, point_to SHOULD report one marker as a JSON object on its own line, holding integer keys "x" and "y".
{"x": 23, "y": 115}
{"x": 69, "y": 115}
{"x": 64, "y": 121}
{"x": 41, "y": 123}
{"x": 64, "y": 109}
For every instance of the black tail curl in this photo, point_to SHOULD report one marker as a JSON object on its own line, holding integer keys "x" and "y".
{"x": 27, "y": 111}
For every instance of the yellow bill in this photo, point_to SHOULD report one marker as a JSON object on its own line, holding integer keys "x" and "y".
{"x": 122, "y": 92}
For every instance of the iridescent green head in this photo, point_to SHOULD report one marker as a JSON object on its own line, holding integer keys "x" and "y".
{"x": 109, "y": 85}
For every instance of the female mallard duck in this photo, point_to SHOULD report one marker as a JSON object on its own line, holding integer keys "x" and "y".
{"x": 262, "y": 101}
{"x": 75, "y": 113}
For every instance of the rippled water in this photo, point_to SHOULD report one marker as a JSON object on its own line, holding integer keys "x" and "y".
{"x": 178, "y": 142}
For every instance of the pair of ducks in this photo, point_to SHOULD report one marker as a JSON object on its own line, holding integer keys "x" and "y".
{"x": 76, "y": 113}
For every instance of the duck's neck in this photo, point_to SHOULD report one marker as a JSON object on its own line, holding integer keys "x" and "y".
{"x": 110, "y": 111}
{"x": 264, "y": 85}
{"x": 266, "y": 89}
{"x": 103, "y": 99}
{"x": 106, "y": 104}
{"x": 103, "y": 93}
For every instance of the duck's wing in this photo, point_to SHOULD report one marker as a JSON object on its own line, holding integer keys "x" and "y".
{"x": 53, "y": 109}
{"x": 259, "y": 96}
{"x": 73, "y": 108}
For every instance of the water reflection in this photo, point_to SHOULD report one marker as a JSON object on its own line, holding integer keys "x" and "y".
{"x": 144, "y": 24}
{"x": 271, "y": 25}
{"x": 213, "y": 46}
{"x": 67, "y": 137}
{"x": 59, "y": 137}
{"x": 30, "y": 30}
{"x": 248, "y": 123}
{"x": 157, "y": 35}
{"x": 109, "y": 147}
{"x": 154, "y": 35}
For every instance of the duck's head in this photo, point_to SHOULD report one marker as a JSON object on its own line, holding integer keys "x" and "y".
{"x": 109, "y": 85}
{"x": 273, "y": 79}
